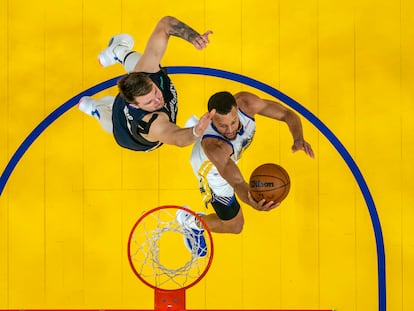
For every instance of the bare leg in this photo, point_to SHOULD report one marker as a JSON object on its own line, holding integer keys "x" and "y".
{"x": 217, "y": 225}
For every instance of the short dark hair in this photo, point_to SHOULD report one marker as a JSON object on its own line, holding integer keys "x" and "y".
{"x": 223, "y": 102}
{"x": 134, "y": 84}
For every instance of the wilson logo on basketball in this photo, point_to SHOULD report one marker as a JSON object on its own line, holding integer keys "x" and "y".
{"x": 269, "y": 181}
{"x": 261, "y": 184}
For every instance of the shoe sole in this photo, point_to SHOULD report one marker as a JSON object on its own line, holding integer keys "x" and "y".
{"x": 106, "y": 58}
{"x": 197, "y": 235}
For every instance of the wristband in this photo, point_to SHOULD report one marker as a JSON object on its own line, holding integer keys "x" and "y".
{"x": 194, "y": 132}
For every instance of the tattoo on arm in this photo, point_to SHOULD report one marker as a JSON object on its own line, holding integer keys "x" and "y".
{"x": 181, "y": 30}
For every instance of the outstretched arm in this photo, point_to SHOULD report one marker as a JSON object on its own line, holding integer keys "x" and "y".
{"x": 169, "y": 133}
{"x": 219, "y": 153}
{"x": 158, "y": 41}
{"x": 252, "y": 104}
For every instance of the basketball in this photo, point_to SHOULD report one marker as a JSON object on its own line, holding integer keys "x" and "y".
{"x": 269, "y": 181}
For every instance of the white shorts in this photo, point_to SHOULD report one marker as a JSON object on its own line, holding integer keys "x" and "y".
{"x": 213, "y": 185}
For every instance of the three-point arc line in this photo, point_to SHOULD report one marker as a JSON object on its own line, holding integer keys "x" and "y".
{"x": 255, "y": 84}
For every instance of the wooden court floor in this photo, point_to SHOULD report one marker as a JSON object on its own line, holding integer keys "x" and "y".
{"x": 343, "y": 239}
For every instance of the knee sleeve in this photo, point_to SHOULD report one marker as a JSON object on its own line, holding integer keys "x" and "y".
{"x": 131, "y": 60}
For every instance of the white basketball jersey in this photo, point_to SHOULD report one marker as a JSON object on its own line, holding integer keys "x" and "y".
{"x": 206, "y": 172}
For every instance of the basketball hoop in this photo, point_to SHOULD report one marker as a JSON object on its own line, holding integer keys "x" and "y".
{"x": 159, "y": 257}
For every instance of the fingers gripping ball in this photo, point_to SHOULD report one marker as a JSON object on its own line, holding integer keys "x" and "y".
{"x": 269, "y": 181}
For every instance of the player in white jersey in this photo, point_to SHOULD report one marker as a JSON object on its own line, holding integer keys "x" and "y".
{"x": 214, "y": 157}
{"x": 211, "y": 182}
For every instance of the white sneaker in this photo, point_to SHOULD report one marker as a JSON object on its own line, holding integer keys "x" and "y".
{"x": 117, "y": 48}
{"x": 87, "y": 105}
{"x": 193, "y": 235}
{"x": 187, "y": 220}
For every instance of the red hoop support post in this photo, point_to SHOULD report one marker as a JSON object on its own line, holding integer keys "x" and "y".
{"x": 169, "y": 300}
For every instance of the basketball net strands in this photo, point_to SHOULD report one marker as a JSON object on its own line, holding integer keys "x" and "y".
{"x": 159, "y": 257}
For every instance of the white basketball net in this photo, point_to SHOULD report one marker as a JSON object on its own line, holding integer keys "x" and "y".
{"x": 158, "y": 253}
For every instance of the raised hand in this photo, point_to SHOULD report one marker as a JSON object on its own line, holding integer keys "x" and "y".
{"x": 200, "y": 42}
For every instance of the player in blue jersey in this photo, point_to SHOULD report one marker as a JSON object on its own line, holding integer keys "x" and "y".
{"x": 143, "y": 115}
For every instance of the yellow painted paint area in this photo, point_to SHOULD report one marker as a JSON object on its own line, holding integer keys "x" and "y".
{"x": 69, "y": 205}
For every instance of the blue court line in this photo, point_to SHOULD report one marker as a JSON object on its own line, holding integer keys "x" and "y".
{"x": 44, "y": 124}
{"x": 260, "y": 86}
